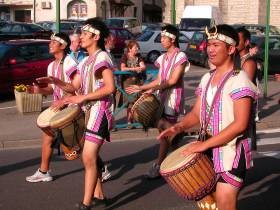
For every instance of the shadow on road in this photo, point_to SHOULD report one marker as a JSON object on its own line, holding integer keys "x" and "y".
{"x": 262, "y": 186}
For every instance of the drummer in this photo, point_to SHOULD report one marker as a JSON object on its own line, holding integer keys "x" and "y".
{"x": 170, "y": 86}
{"x": 56, "y": 84}
{"x": 95, "y": 80}
{"x": 222, "y": 107}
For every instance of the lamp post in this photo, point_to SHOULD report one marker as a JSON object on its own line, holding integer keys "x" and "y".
{"x": 57, "y": 16}
{"x": 266, "y": 52}
{"x": 173, "y": 12}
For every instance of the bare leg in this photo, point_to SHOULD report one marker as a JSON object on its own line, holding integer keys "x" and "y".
{"x": 46, "y": 152}
{"x": 226, "y": 196}
{"x": 90, "y": 154}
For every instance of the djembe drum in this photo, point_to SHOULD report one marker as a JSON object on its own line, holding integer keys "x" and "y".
{"x": 146, "y": 110}
{"x": 192, "y": 177}
{"x": 70, "y": 122}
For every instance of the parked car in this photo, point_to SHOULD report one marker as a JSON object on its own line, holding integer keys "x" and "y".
{"x": 65, "y": 26}
{"x": 16, "y": 30}
{"x": 273, "y": 54}
{"x": 21, "y": 62}
{"x": 150, "y": 45}
{"x": 121, "y": 36}
{"x": 129, "y": 23}
{"x": 196, "y": 50}
{"x": 258, "y": 28}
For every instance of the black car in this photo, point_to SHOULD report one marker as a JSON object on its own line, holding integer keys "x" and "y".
{"x": 273, "y": 54}
{"x": 16, "y": 30}
{"x": 196, "y": 49}
{"x": 258, "y": 28}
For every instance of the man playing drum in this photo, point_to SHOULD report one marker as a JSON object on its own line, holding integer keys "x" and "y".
{"x": 59, "y": 75}
{"x": 222, "y": 108}
{"x": 95, "y": 80}
{"x": 170, "y": 87}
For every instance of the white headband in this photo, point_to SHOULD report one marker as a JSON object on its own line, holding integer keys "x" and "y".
{"x": 221, "y": 37}
{"x": 56, "y": 38}
{"x": 165, "y": 33}
{"x": 90, "y": 29}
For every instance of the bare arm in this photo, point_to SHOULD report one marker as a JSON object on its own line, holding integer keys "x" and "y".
{"x": 250, "y": 68}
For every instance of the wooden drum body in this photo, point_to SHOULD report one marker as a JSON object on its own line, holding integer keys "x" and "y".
{"x": 192, "y": 177}
{"x": 70, "y": 122}
{"x": 146, "y": 110}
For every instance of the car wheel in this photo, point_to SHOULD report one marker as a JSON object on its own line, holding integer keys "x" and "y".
{"x": 152, "y": 56}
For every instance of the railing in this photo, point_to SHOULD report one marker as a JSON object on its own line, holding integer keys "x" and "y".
{"x": 151, "y": 75}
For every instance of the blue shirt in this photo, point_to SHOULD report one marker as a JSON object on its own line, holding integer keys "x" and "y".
{"x": 78, "y": 57}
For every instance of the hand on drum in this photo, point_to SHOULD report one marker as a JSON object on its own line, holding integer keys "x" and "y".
{"x": 193, "y": 147}
{"x": 133, "y": 89}
{"x": 74, "y": 99}
{"x": 57, "y": 105}
{"x": 168, "y": 133}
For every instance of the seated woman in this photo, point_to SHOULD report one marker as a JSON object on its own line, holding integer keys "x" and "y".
{"x": 133, "y": 62}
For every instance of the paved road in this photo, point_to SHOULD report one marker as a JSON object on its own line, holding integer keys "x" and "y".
{"x": 128, "y": 189}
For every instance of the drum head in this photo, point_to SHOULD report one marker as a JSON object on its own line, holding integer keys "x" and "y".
{"x": 65, "y": 116}
{"x": 175, "y": 160}
{"x": 43, "y": 120}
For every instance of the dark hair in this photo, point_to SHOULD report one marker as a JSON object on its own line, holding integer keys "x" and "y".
{"x": 173, "y": 30}
{"x": 98, "y": 24}
{"x": 131, "y": 43}
{"x": 66, "y": 38}
{"x": 245, "y": 33}
{"x": 226, "y": 30}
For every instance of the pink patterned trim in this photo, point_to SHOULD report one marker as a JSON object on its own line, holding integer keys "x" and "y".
{"x": 94, "y": 139}
{"x": 102, "y": 64}
{"x": 181, "y": 61}
{"x": 156, "y": 63}
{"x": 232, "y": 180}
{"x": 98, "y": 121}
{"x": 70, "y": 71}
{"x": 248, "y": 153}
{"x": 198, "y": 91}
{"x": 243, "y": 92}
{"x": 178, "y": 99}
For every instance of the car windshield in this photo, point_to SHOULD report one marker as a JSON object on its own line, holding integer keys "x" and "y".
{"x": 3, "y": 50}
{"x": 145, "y": 36}
{"x": 114, "y": 23}
{"x": 192, "y": 24}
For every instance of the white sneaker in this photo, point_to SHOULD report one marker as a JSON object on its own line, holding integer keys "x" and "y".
{"x": 154, "y": 171}
{"x": 39, "y": 177}
{"x": 257, "y": 119}
{"x": 105, "y": 174}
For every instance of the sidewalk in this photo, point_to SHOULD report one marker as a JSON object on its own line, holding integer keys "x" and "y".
{"x": 20, "y": 131}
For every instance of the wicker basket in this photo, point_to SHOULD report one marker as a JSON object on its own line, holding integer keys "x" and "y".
{"x": 27, "y": 102}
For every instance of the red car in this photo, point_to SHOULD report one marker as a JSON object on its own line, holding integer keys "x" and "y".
{"x": 21, "y": 62}
{"x": 121, "y": 35}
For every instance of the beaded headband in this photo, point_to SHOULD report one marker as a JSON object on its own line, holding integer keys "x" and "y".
{"x": 218, "y": 36}
{"x": 90, "y": 29}
{"x": 60, "y": 40}
{"x": 165, "y": 33}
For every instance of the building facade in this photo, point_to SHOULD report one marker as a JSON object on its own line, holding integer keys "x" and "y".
{"x": 238, "y": 11}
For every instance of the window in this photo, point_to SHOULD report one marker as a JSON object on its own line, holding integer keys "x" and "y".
{"x": 183, "y": 38}
{"x": 16, "y": 29}
{"x": 43, "y": 51}
{"x": 158, "y": 38}
{"x": 25, "y": 52}
{"x": 145, "y": 36}
{"x": 6, "y": 28}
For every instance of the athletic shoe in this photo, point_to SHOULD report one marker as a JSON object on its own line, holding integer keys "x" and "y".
{"x": 154, "y": 171}
{"x": 39, "y": 177}
{"x": 105, "y": 174}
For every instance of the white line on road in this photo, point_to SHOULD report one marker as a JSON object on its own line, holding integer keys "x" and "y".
{"x": 267, "y": 141}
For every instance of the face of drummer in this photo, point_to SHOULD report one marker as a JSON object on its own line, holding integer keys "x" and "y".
{"x": 88, "y": 39}
{"x": 134, "y": 49}
{"x": 55, "y": 47}
{"x": 218, "y": 51}
{"x": 167, "y": 42}
{"x": 243, "y": 43}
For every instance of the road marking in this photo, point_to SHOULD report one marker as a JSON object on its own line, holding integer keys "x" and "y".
{"x": 274, "y": 154}
{"x": 268, "y": 141}
{"x": 275, "y": 130}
